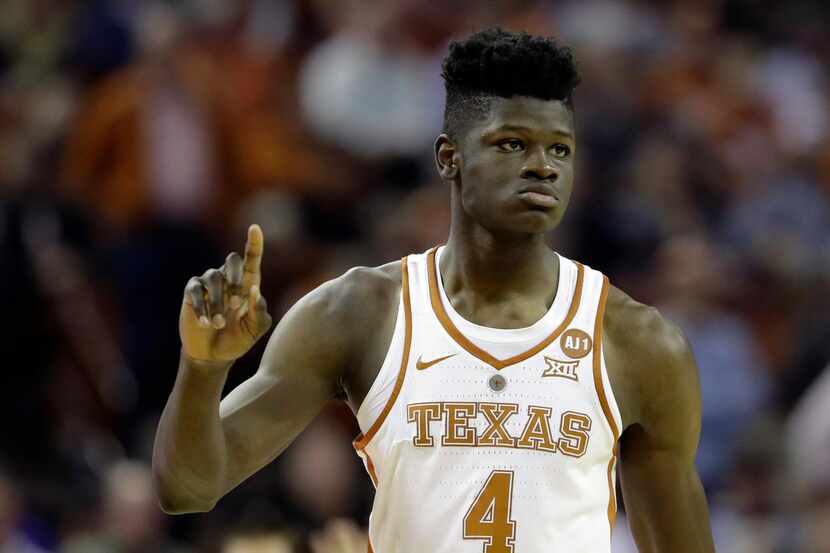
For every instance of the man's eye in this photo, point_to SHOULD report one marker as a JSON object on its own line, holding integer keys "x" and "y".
{"x": 512, "y": 145}
{"x": 561, "y": 150}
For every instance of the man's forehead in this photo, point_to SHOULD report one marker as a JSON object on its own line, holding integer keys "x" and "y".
{"x": 526, "y": 113}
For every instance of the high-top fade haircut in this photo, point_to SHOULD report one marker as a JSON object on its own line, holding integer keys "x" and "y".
{"x": 494, "y": 62}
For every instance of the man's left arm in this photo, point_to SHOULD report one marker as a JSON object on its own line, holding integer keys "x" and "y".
{"x": 664, "y": 499}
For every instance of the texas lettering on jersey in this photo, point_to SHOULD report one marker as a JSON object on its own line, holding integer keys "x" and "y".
{"x": 458, "y": 429}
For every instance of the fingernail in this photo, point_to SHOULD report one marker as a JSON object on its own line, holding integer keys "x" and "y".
{"x": 219, "y": 321}
{"x": 242, "y": 312}
{"x": 204, "y": 322}
{"x": 236, "y": 301}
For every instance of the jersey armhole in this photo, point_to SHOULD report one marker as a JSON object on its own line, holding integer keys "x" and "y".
{"x": 362, "y": 440}
{"x": 607, "y": 402}
{"x": 601, "y": 381}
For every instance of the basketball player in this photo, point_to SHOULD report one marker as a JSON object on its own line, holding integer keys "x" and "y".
{"x": 497, "y": 384}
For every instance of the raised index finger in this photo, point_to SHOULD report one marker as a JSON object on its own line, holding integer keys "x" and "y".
{"x": 253, "y": 257}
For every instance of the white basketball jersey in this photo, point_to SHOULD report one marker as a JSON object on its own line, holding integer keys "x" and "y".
{"x": 492, "y": 440}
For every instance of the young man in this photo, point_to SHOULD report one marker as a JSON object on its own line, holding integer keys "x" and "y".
{"x": 497, "y": 384}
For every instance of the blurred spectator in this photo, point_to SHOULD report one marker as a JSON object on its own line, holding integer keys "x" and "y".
{"x": 12, "y": 538}
{"x": 808, "y": 444}
{"x": 131, "y": 521}
{"x": 339, "y": 536}
{"x": 193, "y": 126}
{"x": 320, "y": 476}
{"x": 264, "y": 543}
{"x": 782, "y": 226}
{"x": 372, "y": 99}
{"x": 145, "y": 142}
{"x": 751, "y": 511}
{"x": 808, "y": 439}
{"x": 732, "y": 374}
{"x": 816, "y": 521}
{"x": 793, "y": 85}
{"x": 258, "y": 529}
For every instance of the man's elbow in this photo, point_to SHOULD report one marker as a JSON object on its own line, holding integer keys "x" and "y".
{"x": 177, "y": 505}
{"x": 175, "y": 499}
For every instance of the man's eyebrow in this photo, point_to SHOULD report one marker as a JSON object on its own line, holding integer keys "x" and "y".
{"x": 521, "y": 128}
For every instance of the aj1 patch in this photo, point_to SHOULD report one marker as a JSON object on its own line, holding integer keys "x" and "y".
{"x": 576, "y": 343}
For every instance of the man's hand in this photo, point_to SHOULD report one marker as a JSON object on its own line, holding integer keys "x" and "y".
{"x": 223, "y": 312}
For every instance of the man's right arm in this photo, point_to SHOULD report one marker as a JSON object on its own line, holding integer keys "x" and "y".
{"x": 203, "y": 449}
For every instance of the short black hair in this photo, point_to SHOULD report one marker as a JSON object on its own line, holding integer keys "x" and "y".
{"x": 495, "y": 62}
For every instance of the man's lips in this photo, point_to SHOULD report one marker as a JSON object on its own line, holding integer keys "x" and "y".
{"x": 539, "y": 196}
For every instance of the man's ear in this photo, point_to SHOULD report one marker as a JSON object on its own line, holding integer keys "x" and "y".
{"x": 446, "y": 157}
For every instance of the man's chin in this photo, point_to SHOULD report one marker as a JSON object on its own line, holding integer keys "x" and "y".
{"x": 538, "y": 221}
{"x": 539, "y": 226}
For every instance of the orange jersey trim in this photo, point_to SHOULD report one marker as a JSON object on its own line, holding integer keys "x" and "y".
{"x": 612, "y": 491}
{"x": 370, "y": 466}
{"x": 362, "y": 441}
{"x": 603, "y": 400}
{"x": 464, "y": 342}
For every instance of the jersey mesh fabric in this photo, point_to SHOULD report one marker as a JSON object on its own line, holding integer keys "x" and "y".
{"x": 425, "y": 438}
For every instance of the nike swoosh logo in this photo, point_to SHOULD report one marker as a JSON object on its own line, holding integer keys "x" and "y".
{"x": 421, "y": 365}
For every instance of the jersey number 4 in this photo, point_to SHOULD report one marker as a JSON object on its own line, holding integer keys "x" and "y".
{"x": 489, "y": 516}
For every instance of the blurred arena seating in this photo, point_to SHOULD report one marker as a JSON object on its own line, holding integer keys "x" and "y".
{"x": 139, "y": 139}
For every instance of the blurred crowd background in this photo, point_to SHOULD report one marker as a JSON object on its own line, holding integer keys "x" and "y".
{"x": 138, "y": 139}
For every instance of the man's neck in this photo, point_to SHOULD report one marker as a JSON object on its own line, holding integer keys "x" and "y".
{"x": 479, "y": 267}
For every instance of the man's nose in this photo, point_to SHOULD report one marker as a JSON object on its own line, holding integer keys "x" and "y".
{"x": 538, "y": 166}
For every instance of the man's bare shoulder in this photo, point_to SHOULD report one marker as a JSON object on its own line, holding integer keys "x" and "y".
{"x": 640, "y": 326}
{"x": 648, "y": 356}
{"x": 363, "y": 292}
{"x": 339, "y": 317}
{"x": 351, "y": 307}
